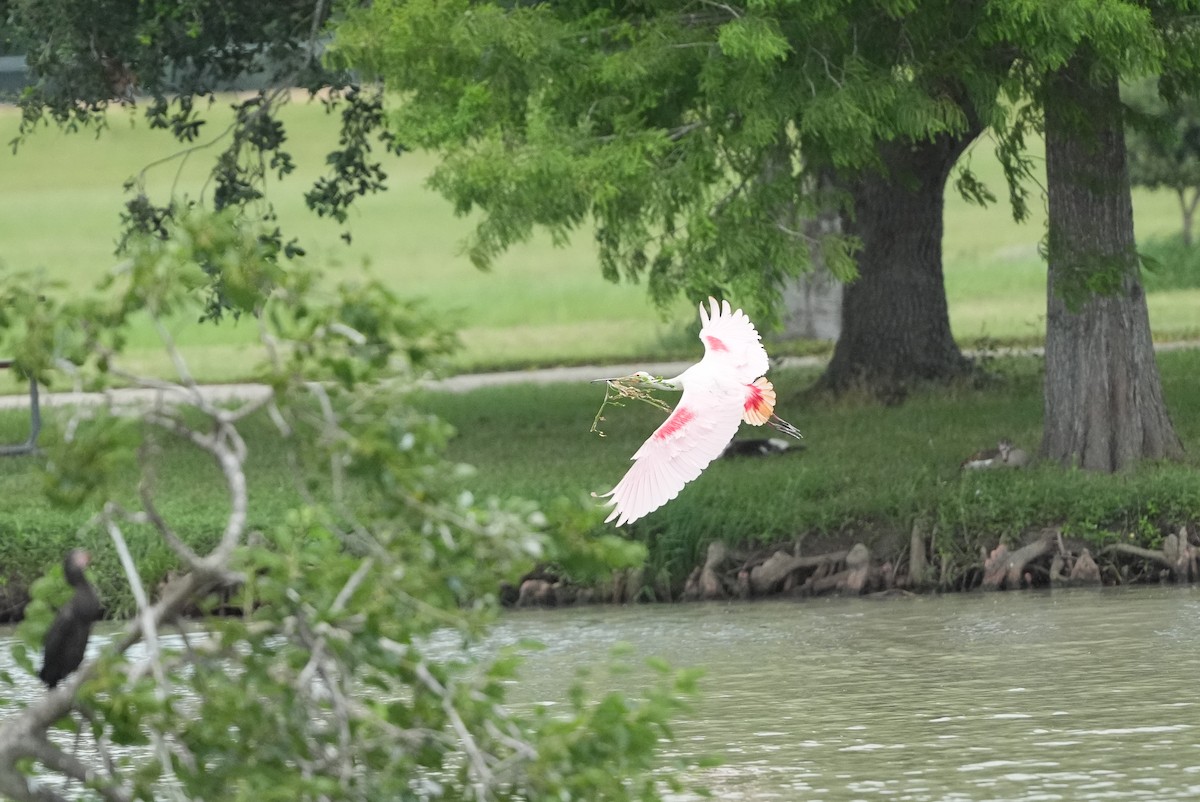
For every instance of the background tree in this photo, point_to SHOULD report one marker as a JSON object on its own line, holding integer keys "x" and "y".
{"x": 1164, "y": 147}
{"x": 323, "y": 687}
{"x": 689, "y": 136}
{"x": 896, "y": 320}
{"x": 1104, "y": 408}
{"x": 85, "y": 58}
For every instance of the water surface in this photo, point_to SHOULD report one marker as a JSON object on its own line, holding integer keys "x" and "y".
{"x": 1071, "y": 695}
{"x": 1085, "y": 694}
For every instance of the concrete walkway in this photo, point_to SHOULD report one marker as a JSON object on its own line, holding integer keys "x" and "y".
{"x": 232, "y": 393}
{"x": 586, "y": 373}
{"x": 227, "y": 393}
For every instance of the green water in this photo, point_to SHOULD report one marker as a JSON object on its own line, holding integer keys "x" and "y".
{"x": 1078, "y": 695}
{"x": 1013, "y": 696}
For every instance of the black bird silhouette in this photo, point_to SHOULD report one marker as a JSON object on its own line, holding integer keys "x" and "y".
{"x": 68, "y": 635}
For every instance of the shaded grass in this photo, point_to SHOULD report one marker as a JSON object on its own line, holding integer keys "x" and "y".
{"x": 1171, "y": 265}
{"x": 35, "y": 533}
{"x": 867, "y": 473}
{"x": 61, "y": 197}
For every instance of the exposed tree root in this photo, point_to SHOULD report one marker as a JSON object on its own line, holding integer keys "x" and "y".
{"x": 1178, "y": 558}
{"x": 1006, "y": 569}
{"x": 1043, "y": 559}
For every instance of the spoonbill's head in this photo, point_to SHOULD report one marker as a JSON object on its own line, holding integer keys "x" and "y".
{"x": 639, "y": 378}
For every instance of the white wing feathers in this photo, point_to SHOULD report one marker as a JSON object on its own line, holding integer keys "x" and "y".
{"x": 693, "y": 436}
{"x": 732, "y": 343}
{"x": 706, "y": 419}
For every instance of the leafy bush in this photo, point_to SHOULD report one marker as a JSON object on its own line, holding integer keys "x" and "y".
{"x": 323, "y": 687}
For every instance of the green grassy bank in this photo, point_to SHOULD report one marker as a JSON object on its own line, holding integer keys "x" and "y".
{"x": 867, "y": 473}
{"x": 34, "y": 533}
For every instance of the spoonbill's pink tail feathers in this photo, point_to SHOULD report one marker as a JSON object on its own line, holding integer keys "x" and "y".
{"x": 760, "y": 402}
{"x": 759, "y": 408}
{"x": 785, "y": 427}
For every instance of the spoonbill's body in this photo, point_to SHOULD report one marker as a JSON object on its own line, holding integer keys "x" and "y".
{"x": 724, "y": 388}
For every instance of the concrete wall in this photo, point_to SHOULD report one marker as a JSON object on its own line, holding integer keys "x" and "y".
{"x": 12, "y": 76}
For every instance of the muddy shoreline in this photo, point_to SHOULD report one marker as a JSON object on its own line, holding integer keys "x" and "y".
{"x": 1044, "y": 558}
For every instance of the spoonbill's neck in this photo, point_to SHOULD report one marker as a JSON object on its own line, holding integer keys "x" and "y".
{"x": 675, "y": 383}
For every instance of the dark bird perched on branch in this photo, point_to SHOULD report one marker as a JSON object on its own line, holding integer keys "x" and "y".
{"x": 68, "y": 635}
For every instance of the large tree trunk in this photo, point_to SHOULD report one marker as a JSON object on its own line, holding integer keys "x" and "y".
{"x": 1104, "y": 406}
{"x": 895, "y": 325}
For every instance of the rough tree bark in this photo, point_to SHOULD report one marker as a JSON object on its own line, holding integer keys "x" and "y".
{"x": 895, "y": 324}
{"x": 1104, "y": 407}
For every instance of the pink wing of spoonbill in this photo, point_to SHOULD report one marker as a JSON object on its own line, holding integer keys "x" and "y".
{"x": 714, "y": 400}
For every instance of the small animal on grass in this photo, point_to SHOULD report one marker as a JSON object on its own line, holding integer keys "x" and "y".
{"x": 720, "y": 391}
{"x": 759, "y": 447}
{"x": 1004, "y": 455}
{"x": 67, "y": 638}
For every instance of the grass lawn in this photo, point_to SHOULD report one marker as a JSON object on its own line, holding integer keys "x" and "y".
{"x": 866, "y": 471}
{"x": 61, "y": 195}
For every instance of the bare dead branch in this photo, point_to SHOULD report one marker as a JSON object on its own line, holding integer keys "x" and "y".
{"x": 317, "y": 647}
{"x": 149, "y": 633}
{"x": 335, "y": 465}
{"x": 228, "y": 449}
{"x": 146, "y": 492}
{"x": 55, "y": 758}
{"x": 479, "y": 765}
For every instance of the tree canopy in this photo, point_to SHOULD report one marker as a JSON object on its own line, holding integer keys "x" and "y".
{"x": 328, "y": 673}
{"x": 681, "y": 132}
{"x": 685, "y": 133}
{"x": 84, "y": 58}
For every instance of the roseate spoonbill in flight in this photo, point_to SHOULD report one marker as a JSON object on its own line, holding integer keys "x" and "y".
{"x": 724, "y": 388}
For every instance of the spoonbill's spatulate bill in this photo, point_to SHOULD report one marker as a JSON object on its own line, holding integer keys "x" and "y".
{"x": 720, "y": 391}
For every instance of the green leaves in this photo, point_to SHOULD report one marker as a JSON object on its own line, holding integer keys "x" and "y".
{"x": 753, "y": 38}
{"x": 654, "y": 125}
{"x": 47, "y": 594}
{"x": 85, "y": 468}
{"x": 614, "y": 737}
{"x": 355, "y": 669}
